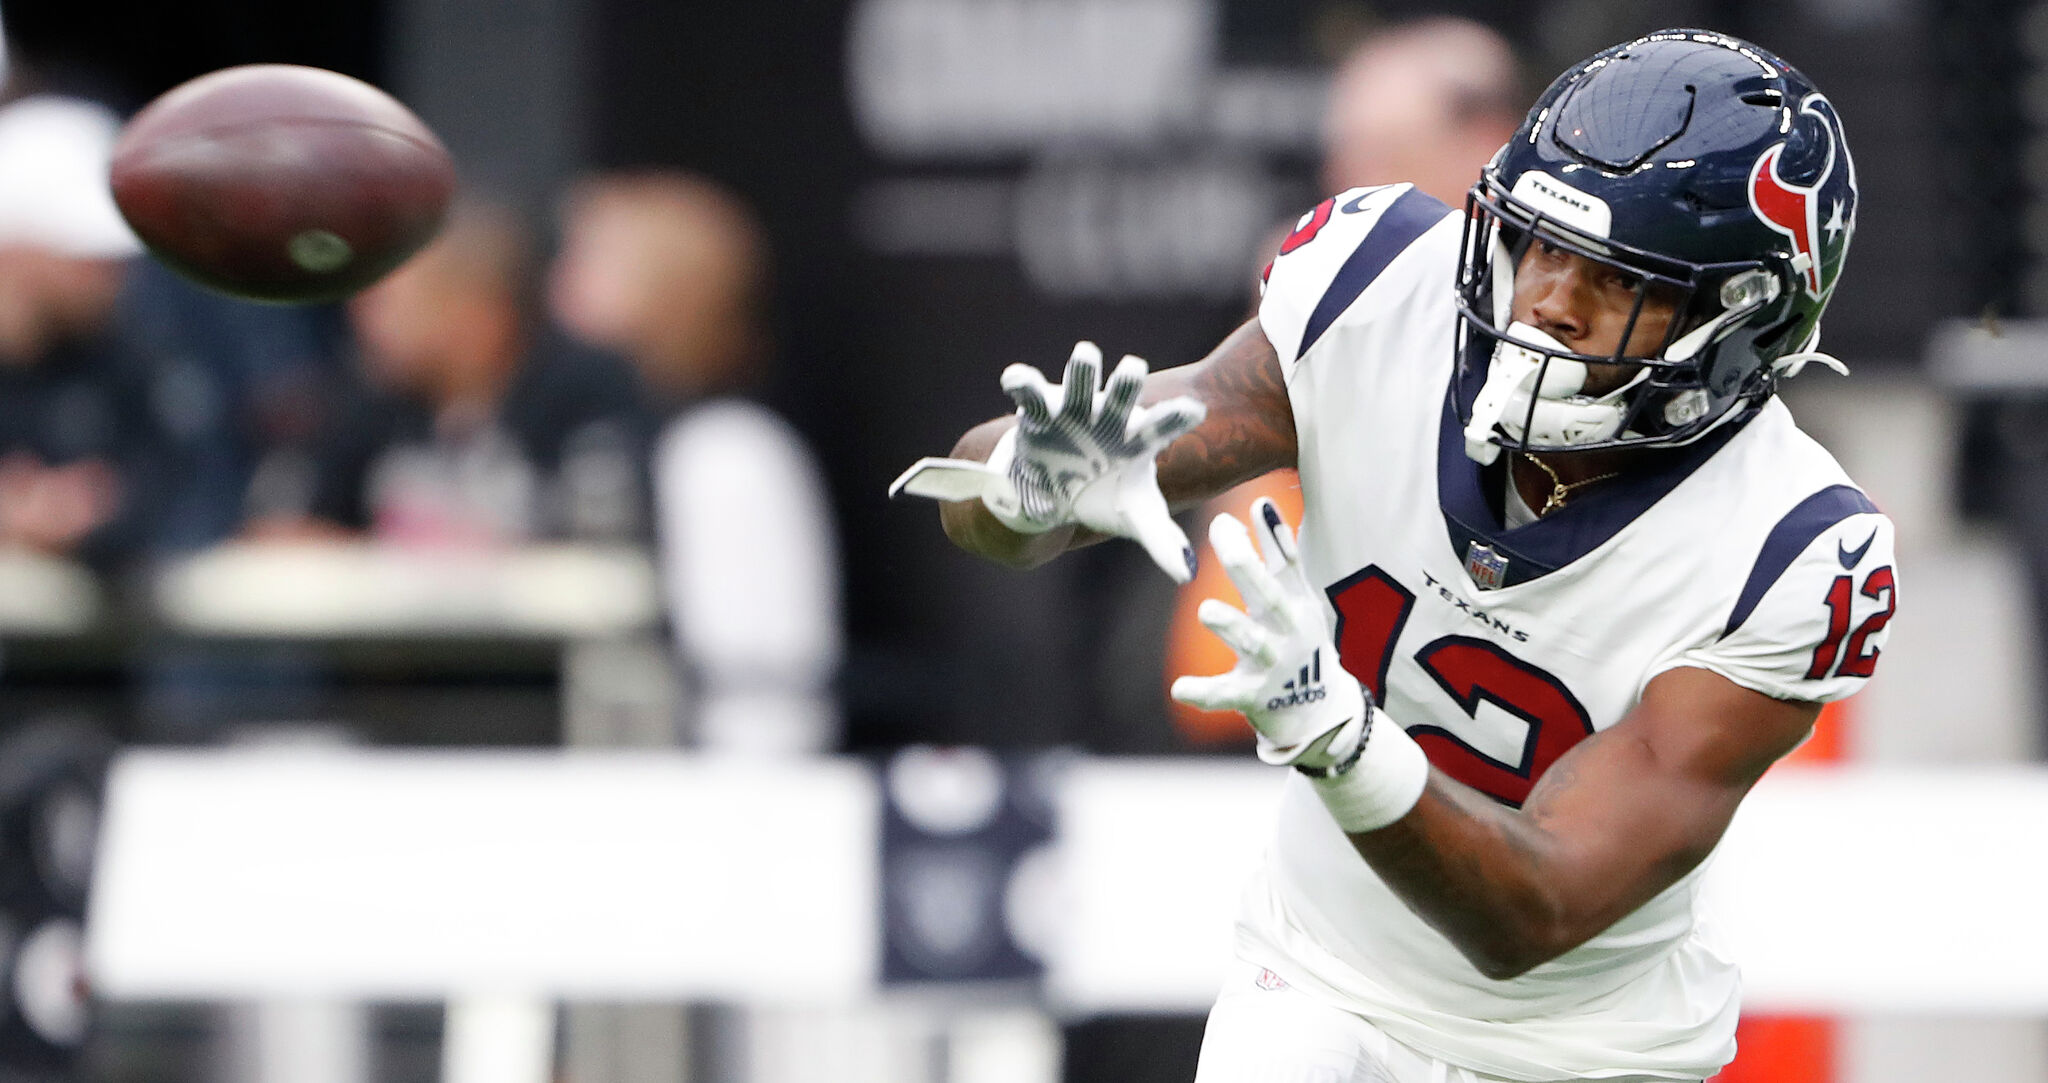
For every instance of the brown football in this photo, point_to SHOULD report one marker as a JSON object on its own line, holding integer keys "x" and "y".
{"x": 281, "y": 183}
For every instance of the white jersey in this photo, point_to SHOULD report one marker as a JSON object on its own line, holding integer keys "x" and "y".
{"x": 1749, "y": 554}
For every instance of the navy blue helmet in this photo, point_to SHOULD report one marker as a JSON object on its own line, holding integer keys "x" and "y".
{"x": 1710, "y": 175}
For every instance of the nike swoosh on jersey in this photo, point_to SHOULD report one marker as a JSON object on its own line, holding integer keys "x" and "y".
{"x": 1852, "y": 557}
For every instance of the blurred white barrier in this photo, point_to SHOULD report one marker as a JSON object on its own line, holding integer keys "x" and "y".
{"x": 334, "y": 589}
{"x": 420, "y": 875}
{"x": 1892, "y": 890}
{"x": 498, "y": 1039}
{"x": 1841, "y": 890}
{"x": 45, "y": 595}
{"x": 1155, "y": 852}
{"x": 404, "y": 875}
{"x": 303, "y": 1040}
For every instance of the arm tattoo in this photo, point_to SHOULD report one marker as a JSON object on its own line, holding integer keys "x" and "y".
{"x": 1250, "y": 428}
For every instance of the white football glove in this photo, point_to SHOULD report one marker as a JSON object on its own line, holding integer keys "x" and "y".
{"x": 1093, "y": 463}
{"x": 1288, "y": 681}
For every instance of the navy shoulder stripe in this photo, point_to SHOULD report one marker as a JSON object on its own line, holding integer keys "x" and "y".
{"x": 1813, "y": 516}
{"x": 1409, "y": 217}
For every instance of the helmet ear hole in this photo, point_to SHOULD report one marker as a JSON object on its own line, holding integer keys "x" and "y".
{"x": 1771, "y": 341}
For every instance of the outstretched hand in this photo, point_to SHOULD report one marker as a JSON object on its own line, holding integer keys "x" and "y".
{"x": 1092, "y": 460}
{"x": 1288, "y": 681}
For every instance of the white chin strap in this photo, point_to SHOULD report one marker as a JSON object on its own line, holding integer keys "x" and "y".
{"x": 1562, "y": 417}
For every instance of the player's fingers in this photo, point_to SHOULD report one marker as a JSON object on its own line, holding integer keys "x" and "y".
{"x": 1233, "y": 545}
{"x": 1243, "y": 634}
{"x": 1222, "y": 692}
{"x": 1119, "y": 396}
{"x": 1274, "y": 536}
{"x": 1029, "y": 389}
{"x": 1083, "y": 376}
{"x": 1283, "y": 558}
{"x": 1162, "y": 423}
{"x": 1149, "y": 522}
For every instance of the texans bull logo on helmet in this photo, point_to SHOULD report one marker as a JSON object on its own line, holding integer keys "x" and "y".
{"x": 1816, "y": 217}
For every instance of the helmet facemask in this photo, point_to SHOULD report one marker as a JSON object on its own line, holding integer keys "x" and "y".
{"x": 1532, "y": 394}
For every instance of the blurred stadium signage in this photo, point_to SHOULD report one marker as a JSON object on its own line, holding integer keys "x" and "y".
{"x": 1101, "y": 143}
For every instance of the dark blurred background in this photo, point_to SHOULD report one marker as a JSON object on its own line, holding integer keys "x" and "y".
{"x": 946, "y": 187}
{"x": 929, "y": 232}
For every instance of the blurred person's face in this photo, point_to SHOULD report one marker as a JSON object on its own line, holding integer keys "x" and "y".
{"x": 1391, "y": 120}
{"x": 600, "y": 283}
{"x": 658, "y": 285}
{"x": 448, "y": 324}
{"x": 46, "y": 298}
{"x": 399, "y": 326}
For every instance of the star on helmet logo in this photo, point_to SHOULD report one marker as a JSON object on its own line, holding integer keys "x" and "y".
{"x": 1793, "y": 210}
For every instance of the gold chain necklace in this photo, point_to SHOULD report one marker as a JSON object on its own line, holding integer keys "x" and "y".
{"x": 1559, "y": 490}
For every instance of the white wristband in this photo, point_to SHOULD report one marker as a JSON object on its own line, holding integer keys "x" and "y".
{"x": 1383, "y": 785}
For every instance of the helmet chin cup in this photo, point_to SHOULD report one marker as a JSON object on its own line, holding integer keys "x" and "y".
{"x": 1511, "y": 369}
{"x": 1558, "y": 417}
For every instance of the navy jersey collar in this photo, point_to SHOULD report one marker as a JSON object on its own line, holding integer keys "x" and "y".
{"x": 1555, "y": 540}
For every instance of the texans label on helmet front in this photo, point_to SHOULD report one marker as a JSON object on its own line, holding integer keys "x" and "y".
{"x": 1819, "y": 217}
{"x": 1580, "y": 211}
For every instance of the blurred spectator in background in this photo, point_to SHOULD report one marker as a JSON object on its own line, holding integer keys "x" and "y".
{"x": 672, "y": 272}
{"x": 75, "y": 428}
{"x": 1427, "y": 102}
{"x": 127, "y": 427}
{"x": 463, "y": 423}
{"x": 121, "y": 388}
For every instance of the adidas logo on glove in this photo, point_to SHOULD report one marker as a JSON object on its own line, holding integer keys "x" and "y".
{"x": 1305, "y": 689}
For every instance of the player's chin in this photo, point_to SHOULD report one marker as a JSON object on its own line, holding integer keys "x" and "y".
{"x": 1602, "y": 377}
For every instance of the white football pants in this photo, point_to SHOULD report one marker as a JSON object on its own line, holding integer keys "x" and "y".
{"x": 1261, "y": 1030}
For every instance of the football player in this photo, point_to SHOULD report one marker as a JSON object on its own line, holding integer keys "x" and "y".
{"x": 1569, "y": 577}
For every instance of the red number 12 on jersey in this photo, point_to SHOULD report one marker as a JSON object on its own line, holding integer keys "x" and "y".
{"x": 1372, "y": 608}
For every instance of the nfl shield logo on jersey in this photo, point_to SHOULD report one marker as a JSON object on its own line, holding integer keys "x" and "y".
{"x": 1487, "y": 568}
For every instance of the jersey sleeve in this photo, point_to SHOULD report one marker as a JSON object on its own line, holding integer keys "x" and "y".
{"x": 1334, "y": 253}
{"x": 1812, "y": 619}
